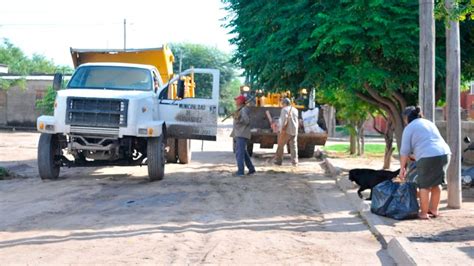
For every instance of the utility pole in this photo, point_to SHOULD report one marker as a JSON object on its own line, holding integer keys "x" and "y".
{"x": 125, "y": 34}
{"x": 426, "y": 83}
{"x": 180, "y": 60}
{"x": 453, "y": 81}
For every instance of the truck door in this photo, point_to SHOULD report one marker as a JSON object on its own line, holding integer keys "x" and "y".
{"x": 192, "y": 117}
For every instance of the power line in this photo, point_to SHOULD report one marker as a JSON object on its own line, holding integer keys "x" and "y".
{"x": 35, "y": 25}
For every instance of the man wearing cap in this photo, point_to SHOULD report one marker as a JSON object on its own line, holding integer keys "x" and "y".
{"x": 288, "y": 132}
{"x": 241, "y": 134}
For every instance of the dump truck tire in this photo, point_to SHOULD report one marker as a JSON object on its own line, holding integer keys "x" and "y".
{"x": 307, "y": 152}
{"x": 48, "y": 166}
{"x": 184, "y": 151}
{"x": 156, "y": 158}
{"x": 171, "y": 154}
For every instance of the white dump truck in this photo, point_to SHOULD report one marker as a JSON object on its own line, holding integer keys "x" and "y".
{"x": 125, "y": 108}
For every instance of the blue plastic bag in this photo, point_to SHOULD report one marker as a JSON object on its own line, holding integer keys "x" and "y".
{"x": 395, "y": 200}
{"x": 404, "y": 204}
{"x": 382, "y": 195}
{"x": 468, "y": 171}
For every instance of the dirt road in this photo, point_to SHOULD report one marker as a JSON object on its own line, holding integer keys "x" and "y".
{"x": 198, "y": 214}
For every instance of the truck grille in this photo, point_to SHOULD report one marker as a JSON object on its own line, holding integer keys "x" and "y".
{"x": 95, "y": 130}
{"x": 96, "y": 112}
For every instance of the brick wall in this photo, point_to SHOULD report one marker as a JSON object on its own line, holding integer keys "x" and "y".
{"x": 18, "y": 106}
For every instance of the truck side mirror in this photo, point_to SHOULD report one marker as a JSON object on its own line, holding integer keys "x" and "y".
{"x": 180, "y": 89}
{"x": 57, "y": 81}
{"x": 467, "y": 140}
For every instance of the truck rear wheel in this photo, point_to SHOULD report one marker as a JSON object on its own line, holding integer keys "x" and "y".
{"x": 184, "y": 151}
{"x": 307, "y": 152}
{"x": 156, "y": 158}
{"x": 171, "y": 155}
{"x": 48, "y": 151}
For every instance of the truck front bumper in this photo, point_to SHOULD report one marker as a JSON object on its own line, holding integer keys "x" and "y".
{"x": 47, "y": 124}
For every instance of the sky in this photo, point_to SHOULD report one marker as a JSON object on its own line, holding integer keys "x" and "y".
{"x": 51, "y": 27}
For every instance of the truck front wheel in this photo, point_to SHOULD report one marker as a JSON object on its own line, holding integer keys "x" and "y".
{"x": 48, "y": 156}
{"x": 156, "y": 158}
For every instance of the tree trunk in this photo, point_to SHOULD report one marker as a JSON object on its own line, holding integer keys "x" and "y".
{"x": 393, "y": 109}
{"x": 357, "y": 138}
{"x": 388, "y": 136}
{"x": 398, "y": 132}
{"x": 358, "y": 144}
{"x": 353, "y": 144}
{"x": 329, "y": 114}
{"x": 360, "y": 137}
{"x": 427, "y": 56}
{"x": 453, "y": 80}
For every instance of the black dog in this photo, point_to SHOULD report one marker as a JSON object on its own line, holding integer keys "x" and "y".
{"x": 369, "y": 178}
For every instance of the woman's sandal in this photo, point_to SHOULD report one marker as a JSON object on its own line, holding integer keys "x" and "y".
{"x": 433, "y": 215}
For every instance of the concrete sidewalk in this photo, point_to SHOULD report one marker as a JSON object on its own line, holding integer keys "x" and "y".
{"x": 446, "y": 240}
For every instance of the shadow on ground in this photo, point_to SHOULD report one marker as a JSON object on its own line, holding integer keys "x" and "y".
{"x": 457, "y": 235}
{"x": 205, "y": 193}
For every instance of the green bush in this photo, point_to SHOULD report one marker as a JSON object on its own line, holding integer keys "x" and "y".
{"x": 3, "y": 172}
{"x": 46, "y": 105}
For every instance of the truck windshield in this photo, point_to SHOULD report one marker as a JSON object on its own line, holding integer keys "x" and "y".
{"x": 111, "y": 77}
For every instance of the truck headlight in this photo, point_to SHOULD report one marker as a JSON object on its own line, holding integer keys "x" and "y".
{"x": 150, "y": 131}
{"x": 45, "y": 127}
{"x": 146, "y": 131}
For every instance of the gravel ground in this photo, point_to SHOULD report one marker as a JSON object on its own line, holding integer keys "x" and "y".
{"x": 198, "y": 214}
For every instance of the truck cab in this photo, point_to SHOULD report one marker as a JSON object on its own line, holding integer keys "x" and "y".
{"x": 124, "y": 113}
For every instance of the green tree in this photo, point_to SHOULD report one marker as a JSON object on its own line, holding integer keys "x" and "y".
{"x": 352, "y": 110}
{"x": 202, "y": 56}
{"x": 20, "y": 64}
{"x": 367, "y": 48}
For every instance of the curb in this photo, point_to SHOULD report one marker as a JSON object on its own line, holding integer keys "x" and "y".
{"x": 399, "y": 248}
